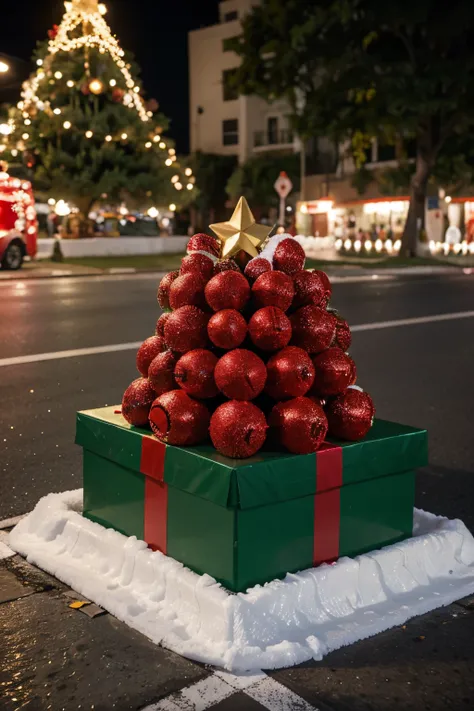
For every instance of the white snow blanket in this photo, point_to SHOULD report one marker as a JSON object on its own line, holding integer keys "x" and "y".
{"x": 280, "y": 624}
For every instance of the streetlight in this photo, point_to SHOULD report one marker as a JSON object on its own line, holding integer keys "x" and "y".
{"x": 4, "y": 67}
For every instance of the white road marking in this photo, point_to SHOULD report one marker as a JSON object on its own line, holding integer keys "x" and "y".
{"x": 210, "y": 691}
{"x": 97, "y": 350}
{"x": 276, "y": 697}
{"x": 364, "y": 277}
{"x": 10, "y": 522}
{"x": 77, "y": 353}
{"x": 5, "y": 550}
{"x": 411, "y": 321}
{"x": 82, "y": 279}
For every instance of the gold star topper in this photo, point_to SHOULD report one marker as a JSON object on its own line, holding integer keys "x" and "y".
{"x": 241, "y": 232}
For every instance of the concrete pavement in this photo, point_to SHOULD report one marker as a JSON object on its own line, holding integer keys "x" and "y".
{"x": 420, "y": 374}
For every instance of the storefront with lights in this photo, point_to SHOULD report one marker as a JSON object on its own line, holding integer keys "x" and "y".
{"x": 375, "y": 226}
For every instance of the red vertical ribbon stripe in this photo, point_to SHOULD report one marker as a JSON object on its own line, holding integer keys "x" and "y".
{"x": 327, "y": 504}
{"x": 152, "y": 465}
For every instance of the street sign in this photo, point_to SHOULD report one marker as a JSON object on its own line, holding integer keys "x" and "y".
{"x": 283, "y": 185}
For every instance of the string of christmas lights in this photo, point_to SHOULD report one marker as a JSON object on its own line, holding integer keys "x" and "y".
{"x": 87, "y": 14}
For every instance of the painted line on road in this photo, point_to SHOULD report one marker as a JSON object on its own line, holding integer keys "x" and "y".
{"x": 214, "y": 689}
{"x": 97, "y": 350}
{"x": 10, "y": 522}
{"x": 77, "y": 353}
{"x": 5, "y": 550}
{"x": 411, "y": 321}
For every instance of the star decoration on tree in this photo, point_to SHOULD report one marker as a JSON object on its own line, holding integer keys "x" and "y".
{"x": 241, "y": 232}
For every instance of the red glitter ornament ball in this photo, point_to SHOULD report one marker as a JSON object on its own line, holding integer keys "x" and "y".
{"x": 186, "y": 329}
{"x": 177, "y": 419}
{"x": 148, "y": 351}
{"x": 198, "y": 264}
{"x": 160, "y": 324}
{"x": 194, "y": 373}
{"x": 137, "y": 401}
{"x": 309, "y": 289}
{"x": 227, "y": 290}
{"x": 273, "y": 289}
{"x": 350, "y": 415}
{"x": 238, "y": 429}
{"x": 300, "y": 425}
{"x": 326, "y": 283}
{"x": 187, "y": 290}
{"x": 226, "y": 265}
{"x": 289, "y": 256}
{"x": 313, "y": 329}
{"x": 290, "y": 373}
{"x": 334, "y": 372}
{"x": 227, "y": 329}
{"x": 270, "y": 329}
{"x": 164, "y": 289}
{"x": 343, "y": 337}
{"x": 256, "y": 267}
{"x": 204, "y": 243}
{"x": 240, "y": 374}
{"x": 160, "y": 372}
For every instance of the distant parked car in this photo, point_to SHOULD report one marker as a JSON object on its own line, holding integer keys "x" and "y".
{"x": 18, "y": 223}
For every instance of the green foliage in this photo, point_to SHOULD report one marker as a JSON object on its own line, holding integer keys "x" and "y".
{"x": 64, "y": 163}
{"x": 361, "y": 179}
{"x": 212, "y": 173}
{"x": 396, "y": 181}
{"x": 255, "y": 179}
{"x": 364, "y": 68}
{"x": 362, "y": 65}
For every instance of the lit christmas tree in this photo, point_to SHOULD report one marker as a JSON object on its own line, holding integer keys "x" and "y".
{"x": 82, "y": 127}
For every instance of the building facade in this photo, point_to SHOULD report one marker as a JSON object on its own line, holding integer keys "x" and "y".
{"x": 221, "y": 121}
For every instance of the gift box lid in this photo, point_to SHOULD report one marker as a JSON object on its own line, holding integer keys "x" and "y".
{"x": 268, "y": 477}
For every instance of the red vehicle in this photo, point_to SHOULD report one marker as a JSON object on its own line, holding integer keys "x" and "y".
{"x": 18, "y": 223}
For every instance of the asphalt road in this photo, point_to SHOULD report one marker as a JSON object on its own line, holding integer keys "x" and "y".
{"x": 420, "y": 374}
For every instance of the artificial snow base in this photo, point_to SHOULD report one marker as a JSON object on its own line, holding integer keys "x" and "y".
{"x": 283, "y": 623}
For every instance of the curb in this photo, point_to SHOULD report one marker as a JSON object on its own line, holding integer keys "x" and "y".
{"x": 331, "y": 270}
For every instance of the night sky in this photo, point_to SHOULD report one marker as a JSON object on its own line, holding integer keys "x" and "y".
{"x": 154, "y": 30}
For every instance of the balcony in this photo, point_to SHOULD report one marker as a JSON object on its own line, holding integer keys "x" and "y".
{"x": 273, "y": 139}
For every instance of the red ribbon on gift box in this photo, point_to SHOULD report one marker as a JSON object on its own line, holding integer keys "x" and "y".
{"x": 327, "y": 504}
{"x": 152, "y": 465}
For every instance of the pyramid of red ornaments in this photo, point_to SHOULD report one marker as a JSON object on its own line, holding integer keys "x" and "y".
{"x": 247, "y": 351}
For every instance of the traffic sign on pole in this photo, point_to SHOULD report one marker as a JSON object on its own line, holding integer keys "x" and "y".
{"x": 283, "y": 187}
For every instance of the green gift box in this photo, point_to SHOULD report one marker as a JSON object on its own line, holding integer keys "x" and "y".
{"x": 253, "y": 520}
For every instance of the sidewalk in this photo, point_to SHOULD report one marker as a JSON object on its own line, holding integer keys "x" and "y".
{"x": 63, "y": 654}
{"x": 50, "y": 270}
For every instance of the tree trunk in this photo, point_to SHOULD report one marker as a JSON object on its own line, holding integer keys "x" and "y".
{"x": 416, "y": 212}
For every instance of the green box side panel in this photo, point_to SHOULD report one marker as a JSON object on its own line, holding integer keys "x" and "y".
{"x": 376, "y": 513}
{"x": 114, "y": 496}
{"x": 201, "y": 535}
{"x": 193, "y": 471}
{"x": 274, "y": 540}
{"x": 268, "y": 477}
{"x": 275, "y": 479}
{"x": 388, "y": 448}
{"x": 116, "y": 441}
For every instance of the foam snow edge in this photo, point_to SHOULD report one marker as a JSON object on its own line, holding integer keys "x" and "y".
{"x": 280, "y": 624}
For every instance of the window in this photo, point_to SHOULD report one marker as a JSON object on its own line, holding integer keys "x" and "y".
{"x": 232, "y": 15}
{"x": 230, "y": 93}
{"x": 272, "y": 130}
{"x": 227, "y": 43}
{"x": 385, "y": 151}
{"x": 230, "y": 132}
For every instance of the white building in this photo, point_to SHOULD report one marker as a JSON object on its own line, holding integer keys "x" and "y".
{"x": 220, "y": 121}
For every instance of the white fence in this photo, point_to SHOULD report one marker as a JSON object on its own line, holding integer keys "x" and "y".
{"x": 113, "y": 246}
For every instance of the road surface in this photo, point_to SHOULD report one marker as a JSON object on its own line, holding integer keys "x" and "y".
{"x": 414, "y": 349}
